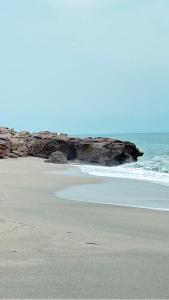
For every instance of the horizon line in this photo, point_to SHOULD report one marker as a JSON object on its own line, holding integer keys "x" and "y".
{"x": 148, "y": 132}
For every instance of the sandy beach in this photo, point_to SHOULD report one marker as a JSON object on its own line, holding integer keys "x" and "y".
{"x": 55, "y": 248}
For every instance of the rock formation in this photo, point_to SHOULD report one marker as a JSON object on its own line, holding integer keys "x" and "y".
{"x": 61, "y": 148}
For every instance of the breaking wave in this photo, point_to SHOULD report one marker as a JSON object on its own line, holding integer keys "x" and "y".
{"x": 154, "y": 170}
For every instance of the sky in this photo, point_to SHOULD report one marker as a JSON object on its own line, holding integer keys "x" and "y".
{"x": 84, "y": 66}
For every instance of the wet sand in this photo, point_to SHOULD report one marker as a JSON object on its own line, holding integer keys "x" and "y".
{"x": 118, "y": 191}
{"x": 53, "y": 248}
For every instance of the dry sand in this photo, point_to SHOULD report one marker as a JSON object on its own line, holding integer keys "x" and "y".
{"x": 53, "y": 248}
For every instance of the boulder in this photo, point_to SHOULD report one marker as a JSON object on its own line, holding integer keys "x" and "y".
{"x": 57, "y": 157}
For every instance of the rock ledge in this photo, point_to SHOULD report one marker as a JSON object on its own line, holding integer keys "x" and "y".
{"x": 62, "y": 148}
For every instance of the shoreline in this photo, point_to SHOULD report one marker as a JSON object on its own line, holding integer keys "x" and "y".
{"x": 136, "y": 193}
{"x": 118, "y": 205}
{"x": 121, "y": 172}
{"x": 55, "y": 248}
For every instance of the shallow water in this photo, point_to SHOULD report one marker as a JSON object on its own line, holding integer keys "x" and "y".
{"x": 125, "y": 192}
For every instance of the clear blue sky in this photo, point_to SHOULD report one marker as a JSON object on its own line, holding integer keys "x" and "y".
{"x": 85, "y": 66}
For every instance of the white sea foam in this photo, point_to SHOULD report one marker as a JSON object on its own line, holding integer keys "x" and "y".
{"x": 130, "y": 171}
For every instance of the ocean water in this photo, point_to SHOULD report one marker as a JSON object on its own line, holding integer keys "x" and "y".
{"x": 153, "y": 166}
{"x": 149, "y": 187}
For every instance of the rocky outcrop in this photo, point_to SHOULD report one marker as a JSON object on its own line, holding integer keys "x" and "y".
{"x": 45, "y": 144}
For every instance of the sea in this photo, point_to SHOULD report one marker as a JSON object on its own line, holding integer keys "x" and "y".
{"x": 145, "y": 183}
{"x": 153, "y": 166}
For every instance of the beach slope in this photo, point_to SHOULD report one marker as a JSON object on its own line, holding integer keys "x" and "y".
{"x": 53, "y": 248}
